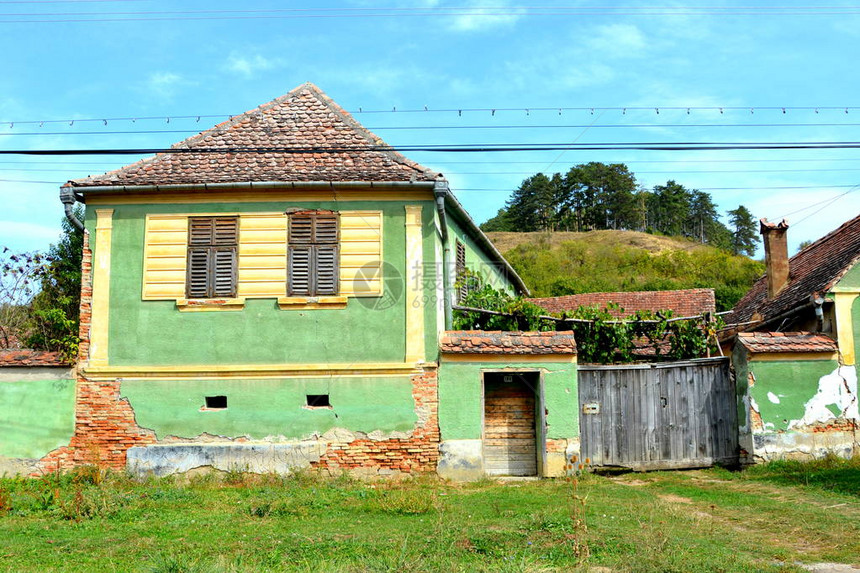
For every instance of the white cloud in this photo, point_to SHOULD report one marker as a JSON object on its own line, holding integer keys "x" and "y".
{"x": 618, "y": 40}
{"x": 483, "y": 15}
{"x": 164, "y": 84}
{"x": 247, "y": 65}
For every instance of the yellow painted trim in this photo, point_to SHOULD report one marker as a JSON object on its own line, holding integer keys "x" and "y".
{"x": 209, "y": 305}
{"x": 347, "y": 240}
{"x": 789, "y": 356}
{"x": 414, "y": 285}
{"x": 100, "y": 322}
{"x": 311, "y": 302}
{"x": 844, "y": 326}
{"x": 845, "y": 289}
{"x": 509, "y": 358}
{"x": 279, "y": 196}
{"x": 254, "y": 371}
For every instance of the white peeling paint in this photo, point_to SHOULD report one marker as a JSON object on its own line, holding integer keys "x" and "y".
{"x": 839, "y": 388}
{"x": 773, "y": 397}
{"x": 754, "y": 405}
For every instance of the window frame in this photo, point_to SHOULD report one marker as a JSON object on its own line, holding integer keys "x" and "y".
{"x": 204, "y": 258}
{"x": 311, "y": 246}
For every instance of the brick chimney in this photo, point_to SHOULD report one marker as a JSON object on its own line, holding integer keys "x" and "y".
{"x": 775, "y": 255}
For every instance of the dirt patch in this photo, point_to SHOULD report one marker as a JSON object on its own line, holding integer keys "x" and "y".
{"x": 671, "y": 498}
{"x": 632, "y": 482}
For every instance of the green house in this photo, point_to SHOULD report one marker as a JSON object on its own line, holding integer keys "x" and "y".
{"x": 272, "y": 293}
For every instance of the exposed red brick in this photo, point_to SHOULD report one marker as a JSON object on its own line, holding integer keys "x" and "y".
{"x": 105, "y": 427}
{"x": 417, "y": 454}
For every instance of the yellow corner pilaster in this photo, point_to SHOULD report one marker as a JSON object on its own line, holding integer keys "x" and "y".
{"x": 414, "y": 281}
{"x": 101, "y": 289}
{"x": 844, "y": 326}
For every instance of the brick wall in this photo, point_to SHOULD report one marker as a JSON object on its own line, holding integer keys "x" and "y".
{"x": 416, "y": 454}
{"x": 104, "y": 423}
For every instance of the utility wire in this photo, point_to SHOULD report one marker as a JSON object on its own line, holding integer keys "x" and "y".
{"x": 528, "y": 110}
{"x": 459, "y": 148}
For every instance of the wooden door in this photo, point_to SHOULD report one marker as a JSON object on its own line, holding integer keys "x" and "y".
{"x": 510, "y": 440}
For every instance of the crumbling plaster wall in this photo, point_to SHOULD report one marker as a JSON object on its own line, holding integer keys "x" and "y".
{"x": 796, "y": 409}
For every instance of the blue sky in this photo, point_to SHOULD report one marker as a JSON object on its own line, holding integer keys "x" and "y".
{"x": 494, "y": 71}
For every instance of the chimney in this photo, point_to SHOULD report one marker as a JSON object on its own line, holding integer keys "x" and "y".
{"x": 775, "y": 255}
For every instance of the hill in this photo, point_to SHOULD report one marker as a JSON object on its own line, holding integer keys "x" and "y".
{"x": 555, "y": 264}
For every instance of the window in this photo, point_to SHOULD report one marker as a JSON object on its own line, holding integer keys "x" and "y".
{"x": 463, "y": 288}
{"x": 313, "y": 254}
{"x": 318, "y": 401}
{"x": 212, "y": 244}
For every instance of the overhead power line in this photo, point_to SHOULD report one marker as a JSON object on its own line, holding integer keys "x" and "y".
{"x": 492, "y": 111}
{"x": 425, "y": 11}
{"x": 460, "y": 127}
{"x": 458, "y": 148}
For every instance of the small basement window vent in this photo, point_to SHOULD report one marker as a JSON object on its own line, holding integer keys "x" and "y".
{"x": 216, "y": 403}
{"x": 318, "y": 401}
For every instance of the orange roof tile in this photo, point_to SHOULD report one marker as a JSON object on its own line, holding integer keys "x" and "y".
{"x": 292, "y": 133}
{"x": 498, "y": 342}
{"x": 762, "y": 342}
{"x": 815, "y": 269}
{"x": 688, "y": 302}
{"x": 28, "y": 357}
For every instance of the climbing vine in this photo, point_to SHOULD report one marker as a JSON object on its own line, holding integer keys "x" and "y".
{"x": 601, "y": 337}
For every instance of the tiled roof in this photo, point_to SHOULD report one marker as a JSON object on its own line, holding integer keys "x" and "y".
{"x": 815, "y": 269}
{"x": 304, "y": 119}
{"x": 759, "y": 342}
{"x": 27, "y": 357}
{"x": 497, "y": 342}
{"x": 689, "y": 302}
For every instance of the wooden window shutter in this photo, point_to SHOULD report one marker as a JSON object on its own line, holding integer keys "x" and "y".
{"x": 313, "y": 254}
{"x": 460, "y": 269}
{"x": 212, "y": 257}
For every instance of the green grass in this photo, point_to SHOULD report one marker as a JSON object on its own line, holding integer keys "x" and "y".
{"x": 769, "y": 518}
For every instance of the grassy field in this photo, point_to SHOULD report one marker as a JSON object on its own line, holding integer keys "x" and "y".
{"x": 769, "y": 518}
{"x": 554, "y": 264}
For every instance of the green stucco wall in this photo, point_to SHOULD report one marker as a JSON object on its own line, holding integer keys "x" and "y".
{"x": 477, "y": 259}
{"x": 851, "y": 280}
{"x": 264, "y": 408}
{"x": 792, "y": 382}
{"x": 156, "y": 333}
{"x": 461, "y": 403}
{"x": 36, "y": 416}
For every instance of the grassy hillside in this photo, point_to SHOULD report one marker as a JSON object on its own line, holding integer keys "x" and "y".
{"x": 554, "y": 264}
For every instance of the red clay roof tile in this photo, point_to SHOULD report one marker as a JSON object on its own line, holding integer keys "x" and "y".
{"x": 498, "y": 342}
{"x": 687, "y": 302}
{"x": 815, "y": 269}
{"x": 27, "y": 357}
{"x": 763, "y": 342}
{"x": 294, "y": 127}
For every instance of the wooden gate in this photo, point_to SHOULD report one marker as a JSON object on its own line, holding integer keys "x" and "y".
{"x": 510, "y": 440}
{"x": 658, "y": 416}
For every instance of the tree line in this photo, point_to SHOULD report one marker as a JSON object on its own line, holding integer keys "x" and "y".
{"x": 40, "y": 295}
{"x": 595, "y": 196}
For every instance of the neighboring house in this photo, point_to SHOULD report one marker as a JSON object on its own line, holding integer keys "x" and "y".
{"x": 796, "y": 364}
{"x": 271, "y": 294}
{"x": 37, "y": 407}
{"x": 686, "y": 302}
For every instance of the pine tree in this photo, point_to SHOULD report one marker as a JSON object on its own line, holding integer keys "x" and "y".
{"x": 744, "y": 237}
